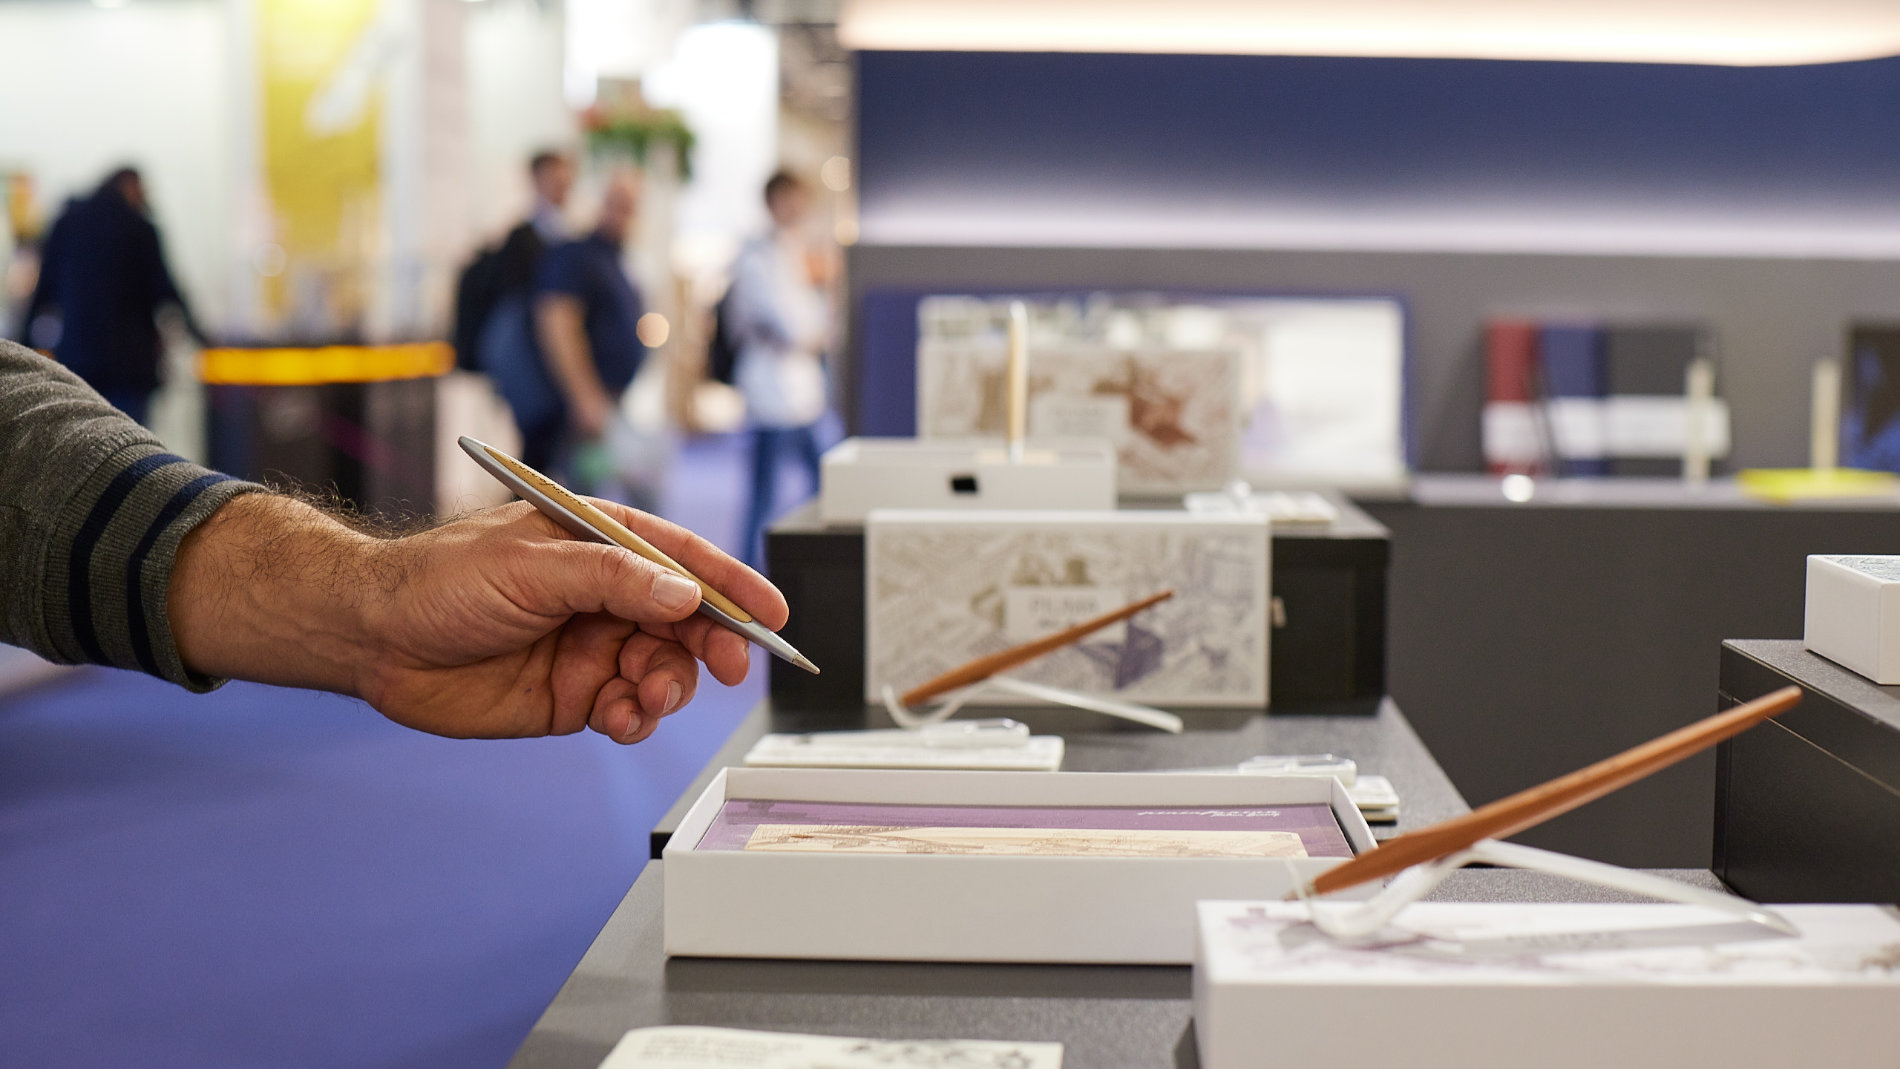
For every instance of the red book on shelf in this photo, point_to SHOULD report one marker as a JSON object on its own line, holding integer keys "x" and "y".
{"x": 1512, "y": 442}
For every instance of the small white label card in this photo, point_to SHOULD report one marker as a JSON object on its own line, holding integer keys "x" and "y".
{"x": 1030, "y": 612}
{"x": 1052, "y": 416}
{"x": 944, "y": 588}
{"x": 689, "y": 1047}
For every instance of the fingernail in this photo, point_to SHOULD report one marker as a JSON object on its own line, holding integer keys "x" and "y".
{"x": 672, "y": 698}
{"x": 675, "y": 592}
{"x": 633, "y": 725}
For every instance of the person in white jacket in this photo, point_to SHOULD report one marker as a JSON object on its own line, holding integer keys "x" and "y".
{"x": 780, "y": 313}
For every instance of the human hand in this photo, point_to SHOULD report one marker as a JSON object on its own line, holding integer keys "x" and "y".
{"x": 507, "y": 625}
{"x": 497, "y": 625}
{"x": 591, "y": 413}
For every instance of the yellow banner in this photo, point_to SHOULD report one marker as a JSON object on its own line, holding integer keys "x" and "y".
{"x": 330, "y": 363}
{"x": 319, "y": 65}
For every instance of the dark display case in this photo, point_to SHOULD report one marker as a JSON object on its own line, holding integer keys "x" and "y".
{"x": 1327, "y": 653}
{"x": 1807, "y": 806}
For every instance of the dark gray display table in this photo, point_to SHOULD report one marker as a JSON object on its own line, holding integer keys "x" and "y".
{"x": 1529, "y": 639}
{"x": 1808, "y": 804}
{"x": 1108, "y": 1016}
{"x": 1328, "y": 654}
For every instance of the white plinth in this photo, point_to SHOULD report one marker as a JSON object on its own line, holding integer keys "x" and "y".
{"x": 1457, "y": 985}
{"x": 924, "y": 907}
{"x": 1853, "y": 616}
{"x": 861, "y": 474}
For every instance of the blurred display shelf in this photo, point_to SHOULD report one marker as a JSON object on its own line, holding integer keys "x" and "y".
{"x": 1491, "y": 491}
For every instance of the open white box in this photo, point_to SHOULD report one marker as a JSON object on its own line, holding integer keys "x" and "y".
{"x": 730, "y": 903}
{"x": 860, "y": 474}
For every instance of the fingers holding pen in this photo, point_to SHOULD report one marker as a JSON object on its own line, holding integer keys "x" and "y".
{"x": 602, "y": 578}
{"x": 747, "y": 588}
{"x": 727, "y": 656}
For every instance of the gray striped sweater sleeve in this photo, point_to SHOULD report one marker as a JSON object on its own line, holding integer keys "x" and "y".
{"x": 92, "y": 509}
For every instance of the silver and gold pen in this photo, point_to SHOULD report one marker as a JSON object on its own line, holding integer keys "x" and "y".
{"x": 583, "y": 520}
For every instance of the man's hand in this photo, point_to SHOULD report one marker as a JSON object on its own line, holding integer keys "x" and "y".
{"x": 496, "y": 625}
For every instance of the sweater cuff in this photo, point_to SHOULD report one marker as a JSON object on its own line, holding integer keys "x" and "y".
{"x": 115, "y": 581}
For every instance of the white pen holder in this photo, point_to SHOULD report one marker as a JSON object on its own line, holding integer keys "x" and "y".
{"x": 1359, "y": 922}
{"x": 861, "y": 474}
{"x": 905, "y": 717}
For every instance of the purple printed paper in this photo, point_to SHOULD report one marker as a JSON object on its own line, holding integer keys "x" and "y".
{"x": 1315, "y": 824}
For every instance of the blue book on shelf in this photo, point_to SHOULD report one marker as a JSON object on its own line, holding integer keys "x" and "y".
{"x": 1575, "y": 377}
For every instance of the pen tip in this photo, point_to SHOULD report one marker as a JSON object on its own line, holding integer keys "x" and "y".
{"x": 803, "y": 662}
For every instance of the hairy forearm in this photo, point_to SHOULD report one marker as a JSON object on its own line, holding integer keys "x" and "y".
{"x": 271, "y": 589}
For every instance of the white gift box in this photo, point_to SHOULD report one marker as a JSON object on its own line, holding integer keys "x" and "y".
{"x": 860, "y": 474}
{"x": 1639, "y": 986}
{"x": 1853, "y": 616}
{"x": 943, "y": 588}
{"x": 913, "y": 907}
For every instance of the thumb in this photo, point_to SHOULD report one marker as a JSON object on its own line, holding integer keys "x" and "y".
{"x": 592, "y": 577}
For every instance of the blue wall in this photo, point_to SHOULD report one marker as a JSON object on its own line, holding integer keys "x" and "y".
{"x": 1318, "y": 138}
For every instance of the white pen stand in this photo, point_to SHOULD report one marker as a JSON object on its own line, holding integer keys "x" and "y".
{"x": 913, "y": 907}
{"x": 860, "y": 474}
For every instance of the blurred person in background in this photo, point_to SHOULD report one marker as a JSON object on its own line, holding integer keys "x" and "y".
{"x": 102, "y": 282}
{"x": 552, "y": 175}
{"x": 780, "y": 314}
{"x": 21, "y": 272}
{"x": 586, "y": 316}
{"x": 493, "y": 328}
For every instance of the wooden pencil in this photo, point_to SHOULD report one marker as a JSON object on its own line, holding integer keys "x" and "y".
{"x": 988, "y": 665}
{"x": 1527, "y": 808}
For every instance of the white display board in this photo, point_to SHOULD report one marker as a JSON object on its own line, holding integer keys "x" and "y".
{"x": 1173, "y": 416}
{"x": 1321, "y": 380}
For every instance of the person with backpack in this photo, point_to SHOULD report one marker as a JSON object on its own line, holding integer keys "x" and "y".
{"x": 494, "y": 330}
{"x": 778, "y": 312}
{"x": 586, "y": 314}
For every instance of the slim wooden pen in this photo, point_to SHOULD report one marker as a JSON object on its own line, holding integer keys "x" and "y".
{"x": 1017, "y": 380}
{"x": 583, "y": 520}
{"x": 1527, "y": 808}
{"x": 984, "y": 667}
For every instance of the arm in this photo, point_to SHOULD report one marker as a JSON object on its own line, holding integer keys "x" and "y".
{"x": 561, "y": 328}
{"x": 165, "y": 288}
{"x": 92, "y": 509}
{"x": 497, "y": 625}
{"x": 755, "y": 315}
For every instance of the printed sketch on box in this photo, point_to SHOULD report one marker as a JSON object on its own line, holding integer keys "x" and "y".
{"x": 1173, "y": 417}
{"x": 1022, "y": 842}
{"x": 945, "y": 590}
